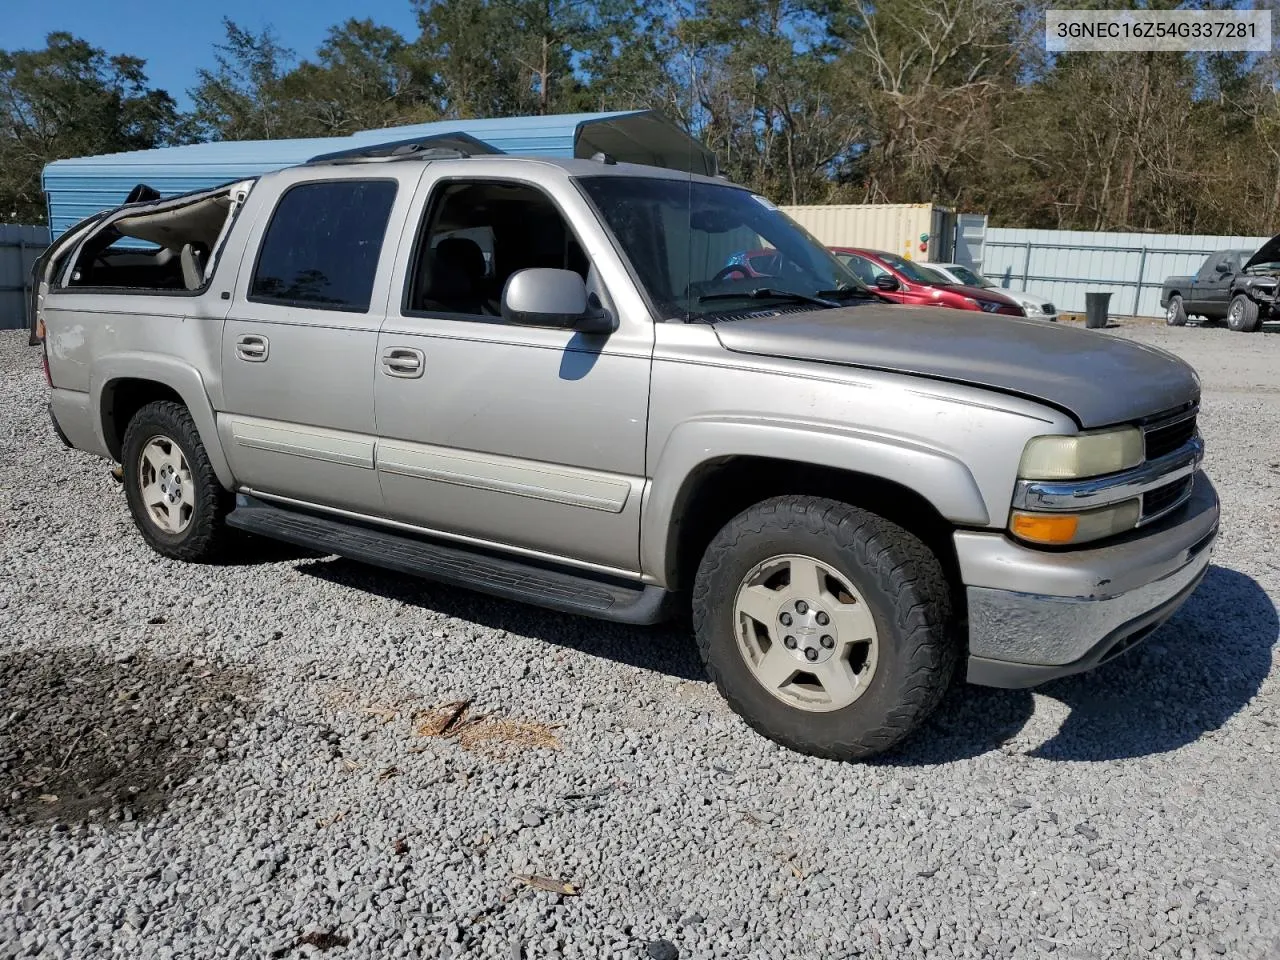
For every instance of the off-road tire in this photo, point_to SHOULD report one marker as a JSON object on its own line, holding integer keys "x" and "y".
{"x": 1175, "y": 314}
{"x": 206, "y": 535}
{"x": 1242, "y": 315}
{"x": 904, "y": 586}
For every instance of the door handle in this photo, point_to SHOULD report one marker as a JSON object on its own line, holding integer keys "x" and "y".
{"x": 406, "y": 362}
{"x": 252, "y": 348}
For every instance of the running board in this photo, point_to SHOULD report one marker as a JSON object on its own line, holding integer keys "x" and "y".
{"x": 502, "y": 576}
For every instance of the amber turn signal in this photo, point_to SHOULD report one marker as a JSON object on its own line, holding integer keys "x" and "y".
{"x": 1052, "y": 528}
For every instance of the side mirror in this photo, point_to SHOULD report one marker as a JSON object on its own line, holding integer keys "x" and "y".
{"x": 1222, "y": 268}
{"x": 887, "y": 281}
{"x": 545, "y": 297}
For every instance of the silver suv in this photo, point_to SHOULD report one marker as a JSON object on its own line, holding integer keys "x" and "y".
{"x": 553, "y": 381}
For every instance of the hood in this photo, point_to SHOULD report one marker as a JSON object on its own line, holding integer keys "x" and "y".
{"x": 1097, "y": 378}
{"x": 1021, "y": 297}
{"x": 1028, "y": 301}
{"x": 980, "y": 293}
{"x": 1269, "y": 252}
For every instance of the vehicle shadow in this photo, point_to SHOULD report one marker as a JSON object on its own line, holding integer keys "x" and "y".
{"x": 1193, "y": 675}
{"x": 246, "y": 550}
{"x": 666, "y": 648}
{"x": 1188, "y": 679}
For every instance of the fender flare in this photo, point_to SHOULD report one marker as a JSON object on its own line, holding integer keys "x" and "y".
{"x": 182, "y": 378}
{"x": 937, "y": 476}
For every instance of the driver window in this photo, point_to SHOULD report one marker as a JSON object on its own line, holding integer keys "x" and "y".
{"x": 1209, "y": 271}
{"x": 475, "y": 235}
{"x": 695, "y": 256}
{"x": 864, "y": 270}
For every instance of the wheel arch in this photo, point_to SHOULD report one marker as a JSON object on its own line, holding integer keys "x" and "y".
{"x": 124, "y": 383}
{"x": 697, "y": 488}
{"x": 1251, "y": 311}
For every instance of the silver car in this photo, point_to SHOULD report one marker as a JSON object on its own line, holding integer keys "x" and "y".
{"x": 1037, "y": 307}
{"x": 537, "y": 378}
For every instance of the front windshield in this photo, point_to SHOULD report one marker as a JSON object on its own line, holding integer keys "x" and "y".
{"x": 968, "y": 277}
{"x": 702, "y": 248}
{"x": 912, "y": 270}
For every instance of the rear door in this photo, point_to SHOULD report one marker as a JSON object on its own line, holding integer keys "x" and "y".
{"x": 299, "y": 344}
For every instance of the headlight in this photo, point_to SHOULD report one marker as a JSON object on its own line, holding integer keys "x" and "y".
{"x": 1031, "y": 308}
{"x": 1081, "y": 455}
{"x": 990, "y": 306}
{"x": 1063, "y": 529}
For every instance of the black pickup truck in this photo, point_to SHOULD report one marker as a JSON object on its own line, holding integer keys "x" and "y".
{"x": 1233, "y": 285}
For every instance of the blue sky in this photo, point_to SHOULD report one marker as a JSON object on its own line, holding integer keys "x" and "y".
{"x": 176, "y": 39}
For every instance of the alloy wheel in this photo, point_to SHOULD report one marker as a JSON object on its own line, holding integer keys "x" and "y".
{"x": 805, "y": 632}
{"x": 164, "y": 480}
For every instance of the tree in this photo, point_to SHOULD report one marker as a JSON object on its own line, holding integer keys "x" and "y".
{"x": 365, "y": 76}
{"x": 243, "y": 97}
{"x": 467, "y": 47}
{"x": 930, "y": 76}
{"x": 72, "y": 100}
{"x": 767, "y": 96}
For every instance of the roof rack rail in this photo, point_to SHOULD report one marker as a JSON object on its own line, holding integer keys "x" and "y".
{"x": 440, "y": 146}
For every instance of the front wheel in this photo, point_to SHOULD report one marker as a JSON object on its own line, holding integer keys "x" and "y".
{"x": 1175, "y": 315}
{"x": 826, "y": 627}
{"x": 1242, "y": 315}
{"x": 173, "y": 493}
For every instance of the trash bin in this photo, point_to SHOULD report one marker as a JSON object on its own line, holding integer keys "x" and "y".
{"x": 1095, "y": 310}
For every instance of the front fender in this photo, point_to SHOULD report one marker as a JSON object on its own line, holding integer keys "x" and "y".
{"x": 181, "y": 377}
{"x": 935, "y": 475}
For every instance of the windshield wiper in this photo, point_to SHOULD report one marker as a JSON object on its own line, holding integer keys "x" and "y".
{"x": 844, "y": 293}
{"x": 764, "y": 293}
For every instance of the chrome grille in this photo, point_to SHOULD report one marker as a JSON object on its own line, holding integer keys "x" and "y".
{"x": 1162, "y": 499}
{"x": 1167, "y": 434}
{"x": 1047, "y": 308}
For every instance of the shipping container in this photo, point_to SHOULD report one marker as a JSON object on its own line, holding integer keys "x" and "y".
{"x": 917, "y": 231}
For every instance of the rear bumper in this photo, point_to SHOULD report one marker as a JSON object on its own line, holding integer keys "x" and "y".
{"x": 1036, "y": 615}
{"x": 73, "y": 413}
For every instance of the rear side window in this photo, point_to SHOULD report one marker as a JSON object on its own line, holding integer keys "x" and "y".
{"x": 322, "y": 246}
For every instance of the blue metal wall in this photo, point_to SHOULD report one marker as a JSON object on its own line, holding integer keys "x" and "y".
{"x": 80, "y": 187}
{"x": 19, "y": 247}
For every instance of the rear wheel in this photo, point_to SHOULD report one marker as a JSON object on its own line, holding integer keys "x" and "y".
{"x": 173, "y": 493}
{"x": 824, "y": 626}
{"x": 1175, "y": 315}
{"x": 1242, "y": 315}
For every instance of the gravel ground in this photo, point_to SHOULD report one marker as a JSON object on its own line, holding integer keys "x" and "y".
{"x": 260, "y": 760}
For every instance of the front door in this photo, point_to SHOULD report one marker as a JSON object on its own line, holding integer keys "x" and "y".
{"x": 1213, "y": 285}
{"x": 299, "y": 345}
{"x": 528, "y": 438}
{"x": 869, "y": 272}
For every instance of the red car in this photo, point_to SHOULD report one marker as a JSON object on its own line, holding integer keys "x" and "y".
{"x": 905, "y": 281}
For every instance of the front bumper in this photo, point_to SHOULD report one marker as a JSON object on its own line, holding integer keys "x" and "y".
{"x": 1035, "y": 615}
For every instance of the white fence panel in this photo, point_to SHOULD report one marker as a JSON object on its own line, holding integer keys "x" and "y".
{"x": 1064, "y": 265}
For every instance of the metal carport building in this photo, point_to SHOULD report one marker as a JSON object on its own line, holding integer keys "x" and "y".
{"x": 82, "y": 186}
